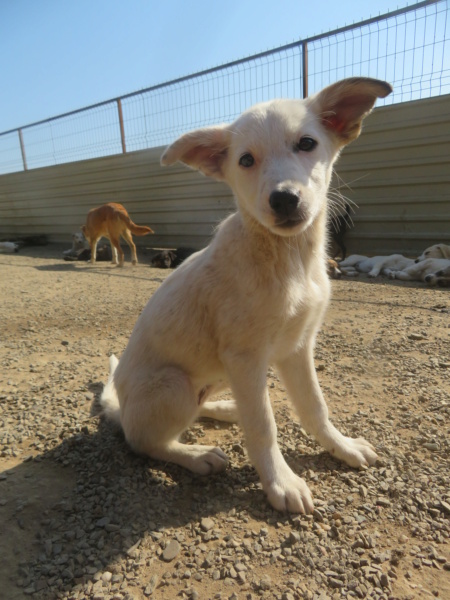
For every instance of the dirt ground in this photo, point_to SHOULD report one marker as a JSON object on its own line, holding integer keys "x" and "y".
{"x": 81, "y": 516}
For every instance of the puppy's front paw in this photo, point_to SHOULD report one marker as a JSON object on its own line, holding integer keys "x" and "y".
{"x": 355, "y": 452}
{"x": 288, "y": 492}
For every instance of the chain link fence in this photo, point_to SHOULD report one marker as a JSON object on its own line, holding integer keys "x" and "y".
{"x": 408, "y": 47}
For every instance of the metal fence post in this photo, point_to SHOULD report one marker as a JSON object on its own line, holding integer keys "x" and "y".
{"x": 22, "y": 149}
{"x": 122, "y": 129}
{"x": 305, "y": 68}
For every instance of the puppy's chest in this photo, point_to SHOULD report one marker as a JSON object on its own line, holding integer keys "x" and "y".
{"x": 301, "y": 306}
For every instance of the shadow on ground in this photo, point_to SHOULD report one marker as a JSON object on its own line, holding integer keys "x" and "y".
{"x": 82, "y": 506}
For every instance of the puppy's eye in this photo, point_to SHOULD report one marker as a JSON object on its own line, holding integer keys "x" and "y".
{"x": 247, "y": 160}
{"x": 306, "y": 144}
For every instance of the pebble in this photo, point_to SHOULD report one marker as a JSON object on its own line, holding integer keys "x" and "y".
{"x": 206, "y": 524}
{"x": 171, "y": 551}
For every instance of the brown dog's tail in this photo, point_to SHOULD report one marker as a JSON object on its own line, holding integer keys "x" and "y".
{"x": 139, "y": 229}
{"x": 136, "y": 229}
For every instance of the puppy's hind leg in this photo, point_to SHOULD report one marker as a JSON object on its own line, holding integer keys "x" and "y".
{"x": 158, "y": 409}
{"x": 116, "y": 250}
{"x": 222, "y": 410}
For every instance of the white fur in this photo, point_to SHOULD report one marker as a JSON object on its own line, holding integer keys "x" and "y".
{"x": 255, "y": 297}
{"x": 374, "y": 265}
{"x": 436, "y": 251}
{"x": 6, "y": 247}
{"x": 79, "y": 243}
{"x": 441, "y": 277}
{"x": 421, "y": 270}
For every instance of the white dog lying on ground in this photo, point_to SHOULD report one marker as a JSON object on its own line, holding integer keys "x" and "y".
{"x": 356, "y": 263}
{"x": 425, "y": 270}
{"x": 8, "y": 247}
{"x": 255, "y": 297}
{"x": 79, "y": 243}
{"x": 441, "y": 278}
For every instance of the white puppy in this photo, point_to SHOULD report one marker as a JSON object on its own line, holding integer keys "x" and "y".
{"x": 436, "y": 251}
{"x": 421, "y": 270}
{"x": 255, "y": 297}
{"x": 79, "y": 243}
{"x": 441, "y": 278}
{"x": 374, "y": 265}
{"x": 8, "y": 247}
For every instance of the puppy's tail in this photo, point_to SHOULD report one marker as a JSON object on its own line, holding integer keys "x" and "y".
{"x": 109, "y": 400}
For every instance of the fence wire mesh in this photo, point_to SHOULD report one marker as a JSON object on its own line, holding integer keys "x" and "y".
{"x": 408, "y": 48}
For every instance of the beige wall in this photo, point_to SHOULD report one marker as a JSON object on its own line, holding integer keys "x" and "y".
{"x": 398, "y": 171}
{"x": 180, "y": 205}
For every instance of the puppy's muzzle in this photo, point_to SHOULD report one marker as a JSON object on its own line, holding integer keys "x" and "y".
{"x": 287, "y": 208}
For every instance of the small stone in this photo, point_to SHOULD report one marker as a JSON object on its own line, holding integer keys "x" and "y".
{"x": 294, "y": 537}
{"x": 335, "y": 583}
{"x": 206, "y": 524}
{"x": 433, "y": 446}
{"x": 171, "y": 551}
{"x": 150, "y": 588}
{"x": 381, "y": 501}
{"x": 416, "y": 336}
{"x": 265, "y": 583}
{"x": 102, "y": 522}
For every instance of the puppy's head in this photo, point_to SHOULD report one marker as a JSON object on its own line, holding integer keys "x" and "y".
{"x": 436, "y": 251}
{"x": 277, "y": 157}
{"x": 78, "y": 239}
{"x": 163, "y": 260}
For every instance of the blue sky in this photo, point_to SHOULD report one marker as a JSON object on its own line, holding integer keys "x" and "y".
{"x": 60, "y": 55}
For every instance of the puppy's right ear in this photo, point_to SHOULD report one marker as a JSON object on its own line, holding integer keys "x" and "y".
{"x": 203, "y": 149}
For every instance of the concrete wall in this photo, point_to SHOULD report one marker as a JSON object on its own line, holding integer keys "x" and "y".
{"x": 398, "y": 173}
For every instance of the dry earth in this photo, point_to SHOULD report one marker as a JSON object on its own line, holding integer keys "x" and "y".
{"x": 83, "y": 517}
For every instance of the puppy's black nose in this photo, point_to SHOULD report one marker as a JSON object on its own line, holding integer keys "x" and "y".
{"x": 428, "y": 278}
{"x": 284, "y": 203}
{"x": 416, "y": 261}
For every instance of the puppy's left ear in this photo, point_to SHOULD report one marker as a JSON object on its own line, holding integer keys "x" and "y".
{"x": 203, "y": 149}
{"x": 343, "y": 105}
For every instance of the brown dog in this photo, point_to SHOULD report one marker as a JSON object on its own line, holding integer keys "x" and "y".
{"x": 112, "y": 221}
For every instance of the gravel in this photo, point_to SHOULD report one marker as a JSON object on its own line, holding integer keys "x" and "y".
{"x": 81, "y": 516}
